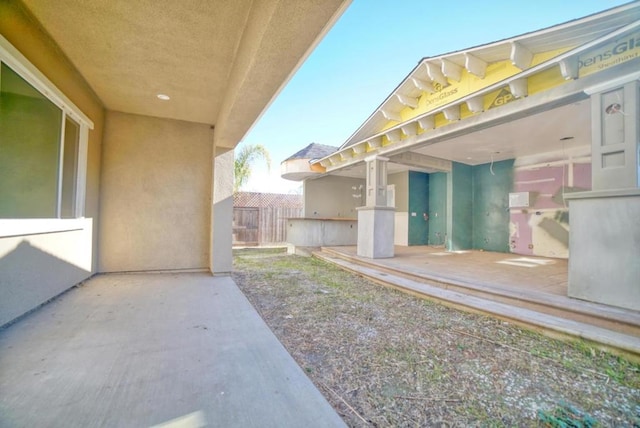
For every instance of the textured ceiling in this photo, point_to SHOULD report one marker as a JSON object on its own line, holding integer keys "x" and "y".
{"x": 221, "y": 62}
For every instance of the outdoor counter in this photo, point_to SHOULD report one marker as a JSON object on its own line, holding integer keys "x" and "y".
{"x": 318, "y": 232}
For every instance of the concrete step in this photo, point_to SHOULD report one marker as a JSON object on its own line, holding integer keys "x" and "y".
{"x": 612, "y": 327}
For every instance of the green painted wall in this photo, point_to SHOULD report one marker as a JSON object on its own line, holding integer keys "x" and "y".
{"x": 468, "y": 207}
{"x": 491, "y": 187}
{"x": 460, "y": 203}
{"x": 437, "y": 203}
{"x": 418, "y": 204}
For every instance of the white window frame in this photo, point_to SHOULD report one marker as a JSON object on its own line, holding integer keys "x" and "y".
{"x": 10, "y": 56}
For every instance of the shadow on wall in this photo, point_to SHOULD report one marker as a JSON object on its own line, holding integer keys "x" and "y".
{"x": 30, "y": 277}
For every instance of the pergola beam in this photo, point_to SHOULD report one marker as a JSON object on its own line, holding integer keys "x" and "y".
{"x": 520, "y": 56}
{"x": 475, "y": 65}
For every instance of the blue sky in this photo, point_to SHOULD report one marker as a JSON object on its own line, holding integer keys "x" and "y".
{"x": 367, "y": 53}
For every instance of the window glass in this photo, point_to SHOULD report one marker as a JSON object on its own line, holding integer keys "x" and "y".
{"x": 69, "y": 168}
{"x": 30, "y": 129}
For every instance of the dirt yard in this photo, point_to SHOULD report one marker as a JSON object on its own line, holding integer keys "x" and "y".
{"x": 387, "y": 359}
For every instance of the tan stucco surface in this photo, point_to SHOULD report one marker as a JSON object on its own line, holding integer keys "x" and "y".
{"x": 333, "y": 197}
{"x": 221, "y": 257}
{"x": 401, "y": 182}
{"x": 220, "y": 61}
{"x": 156, "y": 194}
{"x": 37, "y": 267}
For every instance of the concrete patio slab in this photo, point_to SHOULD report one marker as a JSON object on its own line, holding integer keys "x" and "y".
{"x": 142, "y": 350}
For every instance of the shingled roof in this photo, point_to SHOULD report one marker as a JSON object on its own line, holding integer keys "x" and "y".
{"x": 313, "y": 151}
{"x": 263, "y": 200}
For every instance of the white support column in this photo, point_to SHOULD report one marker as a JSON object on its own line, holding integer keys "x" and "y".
{"x": 376, "y": 181}
{"x": 376, "y": 219}
{"x": 615, "y": 137}
{"x": 221, "y": 257}
{"x": 604, "y": 241}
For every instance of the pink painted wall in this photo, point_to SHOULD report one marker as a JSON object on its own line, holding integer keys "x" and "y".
{"x": 542, "y": 229}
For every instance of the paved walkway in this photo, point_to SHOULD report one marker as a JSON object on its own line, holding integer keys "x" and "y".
{"x": 142, "y": 350}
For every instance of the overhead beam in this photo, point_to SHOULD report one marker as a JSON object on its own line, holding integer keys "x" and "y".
{"x": 423, "y": 85}
{"x": 435, "y": 74}
{"x": 359, "y": 148}
{"x": 569, "y": 68}
{"x": 374, "y": 143}
{"x": 344, "y": 155}
{"x": 475, "y": 65}
{"x": 519, "y": 88}
{"x": 452, "y": 113}
{"x": 391, "y": 115}
{"x": 419, "y": 160}
{"x": 410, "y": 129}
{"x": 427, "y": 122}
{"x": 394, "y": 136}
{"x": 476, "y": 104}
{"x": 335, "y": 159}
{"x": 520, "y": 56}
{"x": 407, "y": 101}
{"x": 451, "y": 70}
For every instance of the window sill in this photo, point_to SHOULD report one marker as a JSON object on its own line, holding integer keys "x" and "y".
{"x": 38, "y": 226}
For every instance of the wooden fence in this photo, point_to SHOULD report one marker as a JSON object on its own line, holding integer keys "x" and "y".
{"x": 261, "y": 226}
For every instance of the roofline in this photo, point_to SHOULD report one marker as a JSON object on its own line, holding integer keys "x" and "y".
{"x": 526, "y": 73}
{"x": 573, "y": 22}
{"x": 556, "y": 27}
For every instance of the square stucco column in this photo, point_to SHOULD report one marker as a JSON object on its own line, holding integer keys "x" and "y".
{"x": 375, "y": 232}
{"x": 376, "y": 219}
{"x": 221, "y": 258}
{"x": 604, "y": 241}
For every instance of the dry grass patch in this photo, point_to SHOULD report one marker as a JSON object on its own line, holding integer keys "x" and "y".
{"x": 386, "y": 359}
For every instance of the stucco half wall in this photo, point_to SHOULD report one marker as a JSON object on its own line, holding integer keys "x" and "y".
{"x": 156, "y": 194}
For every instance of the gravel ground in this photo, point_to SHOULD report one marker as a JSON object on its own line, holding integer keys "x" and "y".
{"x": 383, "y": 358}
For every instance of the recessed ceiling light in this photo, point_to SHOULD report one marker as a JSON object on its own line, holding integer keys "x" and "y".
{"x": 163, "y": 97}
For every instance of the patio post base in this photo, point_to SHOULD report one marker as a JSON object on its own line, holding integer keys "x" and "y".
{"x": 375, "y": 232}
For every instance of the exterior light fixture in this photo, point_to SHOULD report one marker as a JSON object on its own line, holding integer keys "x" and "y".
{"x": 566, "y": 138}
{"x": 163, "y": 97}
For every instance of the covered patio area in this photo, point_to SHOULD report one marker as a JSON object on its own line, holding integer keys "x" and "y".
{"x": 184, "y": 349}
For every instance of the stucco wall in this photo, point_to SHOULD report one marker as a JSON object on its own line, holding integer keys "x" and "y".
{"x": 400, "y": 181}
{"x": 313, "y": 232}
{"x": 156, "y": 194}
{"x": 605, "y": 243}
{"x": 36, "y": 267}
{"x": 221, "y": 259}
{"x": 332, "y": 197}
